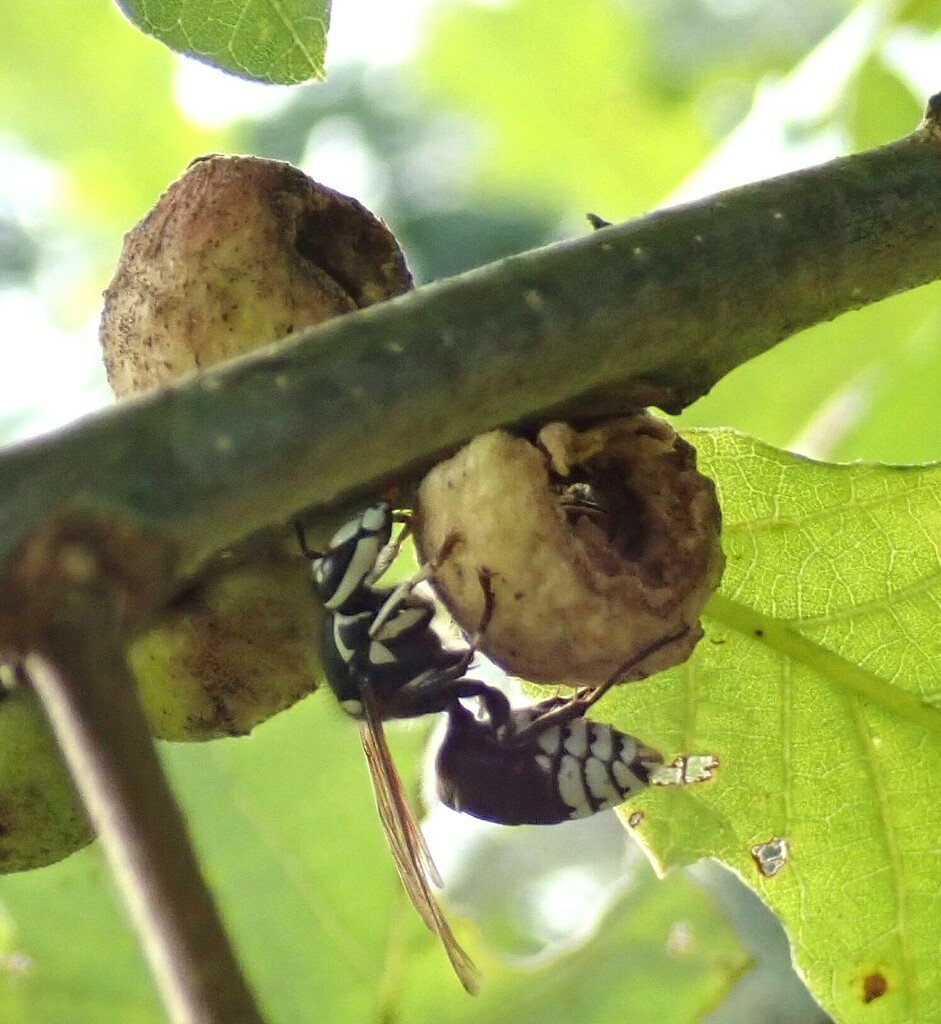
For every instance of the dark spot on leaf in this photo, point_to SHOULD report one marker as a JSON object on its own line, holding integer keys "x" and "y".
{"x": 759, "y": 633}
{"x": 874, "y": 986}
{"x": 635, "y": 819}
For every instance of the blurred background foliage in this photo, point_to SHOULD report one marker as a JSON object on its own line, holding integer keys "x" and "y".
{"x": 476, "y": 130}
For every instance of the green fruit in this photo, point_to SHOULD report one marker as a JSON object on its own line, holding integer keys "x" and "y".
{"x": 237, "y": 253}
{"x": 600, "y": 548}
{"x": 41, "y": 820}
{"x": 234, "y": 651}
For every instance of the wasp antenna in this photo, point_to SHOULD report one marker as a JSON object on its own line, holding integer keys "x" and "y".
{"x": 593, "y": 696}
{"x": 444, "y": 552}
{"x": 306, "y": 549}
{"x": 390, "y": 551}
{"x": 404, "y": 518}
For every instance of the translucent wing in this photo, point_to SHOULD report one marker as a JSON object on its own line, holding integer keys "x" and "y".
{"x": 409, "y": 850}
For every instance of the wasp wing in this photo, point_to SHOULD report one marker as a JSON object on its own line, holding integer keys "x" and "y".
{"x": 409, "y": 850}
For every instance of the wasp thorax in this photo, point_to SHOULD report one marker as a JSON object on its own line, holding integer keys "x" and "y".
{"x": 599, "y": 548}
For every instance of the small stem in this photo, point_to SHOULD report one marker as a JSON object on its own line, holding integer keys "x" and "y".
{"x": 90, "y": 699}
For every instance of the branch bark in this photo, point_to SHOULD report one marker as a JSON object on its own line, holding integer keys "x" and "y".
{"x": 654, "y": 311}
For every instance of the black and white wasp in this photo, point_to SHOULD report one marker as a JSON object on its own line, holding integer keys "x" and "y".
{"x": 382, "y": 660}
{"x": 543, "y": 764}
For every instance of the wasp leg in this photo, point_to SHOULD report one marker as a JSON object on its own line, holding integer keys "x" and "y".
{"x": 559, "y": 710}
{"x": 440, "y": 687}
{"x": 390, "y": 551}
{"x": 436, "y": 691}
{"x": 394, "y": 601}
{"x": 485, "y": 576}
{"x": 549, "y": 713}
{"x": 593, "y": 696}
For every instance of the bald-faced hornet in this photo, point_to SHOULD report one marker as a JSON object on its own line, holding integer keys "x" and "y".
{"x": 543, "y": 764}
{"x": 383, "y": 660}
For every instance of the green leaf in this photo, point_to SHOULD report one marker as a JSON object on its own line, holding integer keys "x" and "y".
{"x": 815, "y": 687}
{"x": 873, "y": 396}
{"x": 267, "y": 40}
{"x": 662, "y": 956}
{"x": 884, "y": 107}
{"x": 66, "y": 951}
{"x": 897, "y": 396}
{"x": 111, "y": 123}
{"x": 923, "y": 13}
{"x": 569, "y": 109}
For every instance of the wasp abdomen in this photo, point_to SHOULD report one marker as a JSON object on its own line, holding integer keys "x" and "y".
{"x": 595, "y": 766}
{"x": 524, "y": 775}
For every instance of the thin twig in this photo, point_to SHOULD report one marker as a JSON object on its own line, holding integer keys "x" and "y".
{"x": 77, "y": 588}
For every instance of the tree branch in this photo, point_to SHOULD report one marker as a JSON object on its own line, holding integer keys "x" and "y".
{"x": 654, "y": 311}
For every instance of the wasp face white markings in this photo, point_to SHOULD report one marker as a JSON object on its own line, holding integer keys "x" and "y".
{"x": 363, "y": 559}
